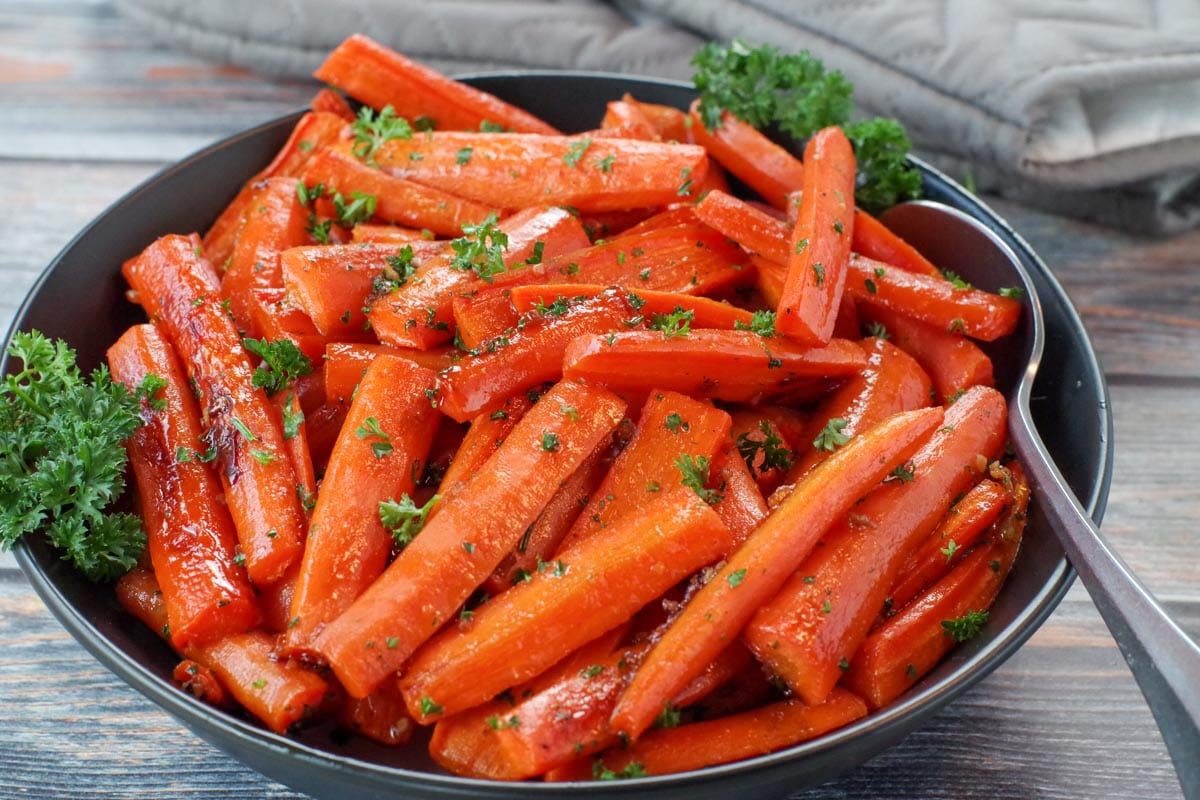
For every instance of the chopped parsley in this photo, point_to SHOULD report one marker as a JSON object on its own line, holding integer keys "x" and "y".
{"x": 370, "y": 429}
{"x": 372, "y": 130}
{"x": 775, "y": 455}
{"x": 677, "y": 323}
{"x": 762, "y": 323}
{"x": 481, "y": 249}
{"x": 282, "y": 363}
{"x": 694, "y": 475}
{"x": 404, "y": 519}
{"x": 965, "y": 627}
{"x": 575, "y": 153}
{"x": 831, "y": 437}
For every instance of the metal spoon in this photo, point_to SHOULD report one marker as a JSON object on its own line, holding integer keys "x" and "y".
{"x": 1164, "y": 661}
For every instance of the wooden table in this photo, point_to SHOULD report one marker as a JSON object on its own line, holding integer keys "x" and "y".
{"x": 88, "y": 109}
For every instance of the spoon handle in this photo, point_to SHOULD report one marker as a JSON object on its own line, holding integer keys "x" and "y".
{"x": 1164, "y": 661}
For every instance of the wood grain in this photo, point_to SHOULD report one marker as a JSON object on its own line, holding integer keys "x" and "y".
{"x": 92, "y": 107}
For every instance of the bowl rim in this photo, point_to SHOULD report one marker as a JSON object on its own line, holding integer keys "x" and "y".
{"x": 893, "y": 719}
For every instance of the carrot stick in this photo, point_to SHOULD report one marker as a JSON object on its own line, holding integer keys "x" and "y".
{"x": 201, "y": 683}
{"x": 953, "y": 362}
{"x": 295, "y": 442}
{"x": 962, "y": 526}
{"x": 706, "y": 312}
{"x": 434, "y": 574}
{"x": 733, "y": 738}
{"x": 379, "y": 76}
{"x": 589, "y": 589}
{"x": 547, "y": 533}
{"x": 386, "y": 234}
{"x": 911, "y": 643}
{"x": 274, "y": 316}
{"x": 769, "y": 277}
{"x": 332, "y": 283}
{"x": 972, "y": 312}
{"x": 178, "y": 288}
{"x": 814, "y": 625}
{"x": 760, "y": 567}
{"x": 483, "y": 316}
{"x": 346, "y": 363}
{"x": 742, "y": 507}
{"x": 191, "y": 539}
{"x": 532, "y": 355}
{"x": 487, "y": 432}
{"x": 397, "y": 200}
{"x": 670, "y": 426}
{"x": 274, "y": 222}
{"x": 380, "y": 716}
{"x": 331, "y": 102}
{"x": 139, "y": 594}
{"x": 757, "y": 161}
{"x": 667, "y": 218}
{"x": 312, "y": 132}
{"x": 670, "y": 123}
{"x": 278, "y": 693}
{"x": 511, "y": 170}
{"x": 419, "y": 312}
{"x": 753, "y": 229}
{"x": 771, "y": 453}
{"x": 874, "y": 240}
{"x": 891, "y": 382}
{"x": 379, "y": 456}
{"x": 630, "y": 119}
{"x": 737, "y": 366}
{"x": 820, "y": 243}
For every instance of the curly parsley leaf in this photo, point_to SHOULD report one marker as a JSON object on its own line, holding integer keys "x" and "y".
{"x": 677, "y": 323}
{"x": 762, "y": 323}
{"x": 403, "y": 518}
{"x": 831, "y": 437}
{"x": 481, "y": 249}
{"x": 372, "y": 130}
{"x": 359, "y": 207}
{"x": 63, "y": 460}
{"x": 774, "y": 454}
{"x": 282, "y": 363}
{"x": 694, "y": 475}
{"x": 884, "y": 177}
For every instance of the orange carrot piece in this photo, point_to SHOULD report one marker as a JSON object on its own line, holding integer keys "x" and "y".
{"x": 466, "y": 541}
{"x": 670, "y": 123}
{"x": 769, "y": 277}
{"x": 813, "y": 626}
{"x": 331, "y": 102}
{"x": 365, "y": 232}
{"x": 191, "y": 538}
{"x": 935, "y": 301}
{"x": 273, "y": 316}
{"x": 312, "y": 132}
{"x": 547, "y": 533}
{"x": 706, "y": 312}
{"x": 667, "y": 218}
{"x": 179, "y": 289}
{"x": 397, "y": 200}
{"x": 381, "y": 716}
{"x": 512, "y": 170}
{"x": 742, "y": 507}
{"x": 733, "y": 738}
{"x": 346, "y": 363}
{"x": 274, "y": 222}
{"x": 891, "y": 382}
{"x": 467, "y": 744}
{"x": 278, "y": 693}
{"x": 737, "y": 366}
{"x": 201, "y": 683}
{"x": 295, "y": 442}
{"x": 962, "y": 526}
{"x": 484, "y": 316}
{"x": 332, "y": 283}
{"x": 874, "y": 240}
{"x": 630, "y": 119}
{"x": 757, "y": 161}
{"x": 139, "y": 594}
{"x": 379, "y": 456}
{"x": 532, "y": 355}
{"x": 419, "y": 313}
{"x": 275, "y": 601}
{"x": 753, "y": 229}
{"x": 820, "y": 244}
{"x": 589, "y": 589}
{"x": 379, "y": 76}
{"x": 760, "y": 567}
{"x": 911, "y": 643}
{"x": 670, "y": 426}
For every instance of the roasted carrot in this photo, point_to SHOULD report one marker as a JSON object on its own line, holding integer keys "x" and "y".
{"x": 765, "y": 450}
{"x": 629, "y": 118}
{"x": 295, "y": 442}
{"x": 669, "y": 427}
{"x": 813, "y": 626}
{"x": 201, "y": 683}
{"x": 312, "y": 132}
{"x": 483, "y": 316}
{"x": 706, "y": 312}
{"x": 521, "y": 170}
{"x": 954, "y": 363}
{"x": 768, "y": 279}
{"x": 938, "y": 302}
{"x": 273, "y": 316}
{"x": 397, "y": 200}
{"x": 275, "y": 601}
{"x": 274, "y": 221}
{"x": 957, "y": 533}
{"x": 725, "y": 667}
{"x": 670, "y": 123}
{"x": 381, "y": 716}
{"x": 891, "y": 382}
{"x": 346, "y": 363}
{"x": 720, "y": 741}
{"x": 379, "y": 77}
{"x": 191, "y": 539}
{"x": 911, "y": 643}
{"x": 747, "y": 153}
{"x": 387, "y": 234}
{"x": 139, "y": 594}
{"x": 486, "y": 433}
{"x": 875, "y": 240}
{"x": 278, "y": 693}
{"x": 588, "y": 589}
{"x": 434, "y": 574}
{"x": 761, "y": 566}
{"x": 737, "y": 366}
{"x": 750, "y": 227}
{"x": 331, "y": 102}
{"x": 178, "y": 288}
{"x": 418, "y": 312}
{"x": 530, "y": 356}
{"x": 741, "y": 507}
{"x": 820, "y": 242}
{"x": 379, "y": 457}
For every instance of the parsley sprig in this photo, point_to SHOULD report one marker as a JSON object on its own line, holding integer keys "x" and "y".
{"x": 282, "y": 363}
{"x": 774, "y": 454}
{"x": 404, "y": 519}
{"x": 694, "y": 475}
{"x": 965, "y": 627}
{"x": 63, "y": 460}
{"x": 372, "y": 130}
{"x": 481, "y": 249}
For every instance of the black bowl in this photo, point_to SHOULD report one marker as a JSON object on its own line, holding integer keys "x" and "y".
{"x": 79, "y": 298}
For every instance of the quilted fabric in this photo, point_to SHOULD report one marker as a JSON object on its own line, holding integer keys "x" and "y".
{"x": 1086, "y": 107}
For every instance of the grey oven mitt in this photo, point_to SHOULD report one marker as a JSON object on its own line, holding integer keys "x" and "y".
{"x": 1090, "y": 109}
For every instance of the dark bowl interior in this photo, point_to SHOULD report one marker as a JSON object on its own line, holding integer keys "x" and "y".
{"x": 79, "y": 298}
